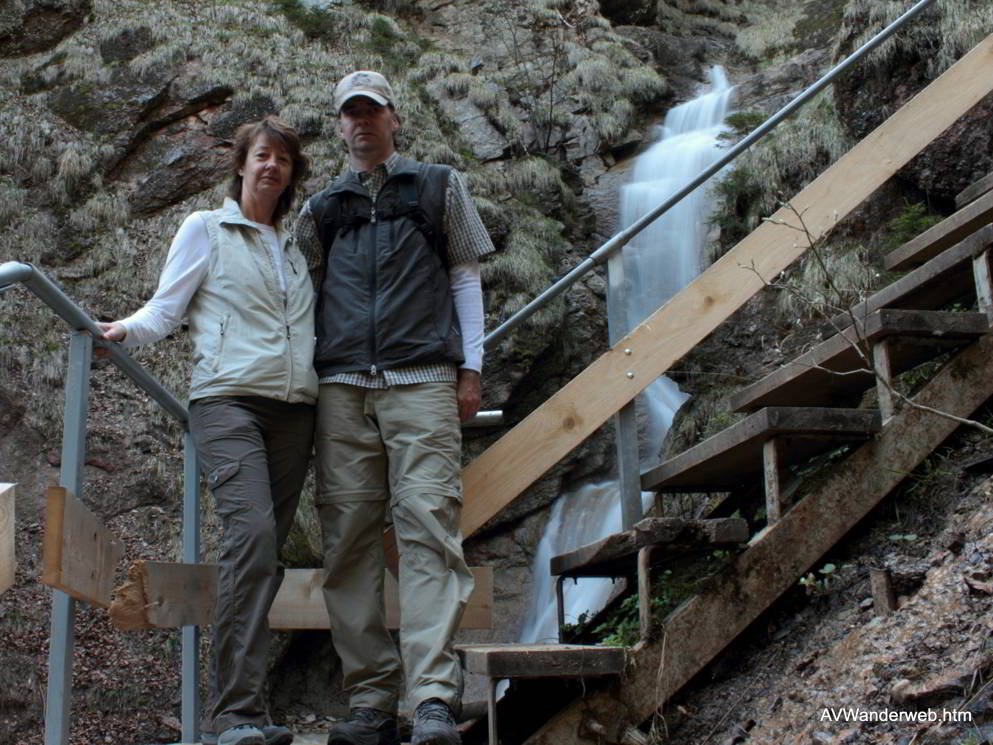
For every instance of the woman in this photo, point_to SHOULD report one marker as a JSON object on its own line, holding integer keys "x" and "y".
{"x": 249, "y": 302}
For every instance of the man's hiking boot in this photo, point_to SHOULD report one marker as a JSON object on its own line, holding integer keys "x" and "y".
{"x": 365, "y": 726}
{"x": 434, "y": 724}
{"x": 241, "y": 734}
{"x": 273, "y": 734}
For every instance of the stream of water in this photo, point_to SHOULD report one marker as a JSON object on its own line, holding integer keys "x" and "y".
{"x": 658, "y": 262}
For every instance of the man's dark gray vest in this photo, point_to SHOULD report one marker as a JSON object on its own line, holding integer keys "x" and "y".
{"x": 385, "y": 299}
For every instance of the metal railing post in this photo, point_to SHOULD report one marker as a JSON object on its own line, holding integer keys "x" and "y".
{"x": 625, "y": 420}
{"x": 58, "y": 702}
{"x": 191, "y": 555}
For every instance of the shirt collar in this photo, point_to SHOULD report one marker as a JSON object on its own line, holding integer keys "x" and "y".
{"x": 387, "y": 165}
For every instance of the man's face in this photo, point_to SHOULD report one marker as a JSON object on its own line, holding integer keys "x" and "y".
{"x": 367, "y": 127}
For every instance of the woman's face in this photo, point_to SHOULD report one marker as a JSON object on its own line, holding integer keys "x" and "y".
{"x": 267, "y": 168}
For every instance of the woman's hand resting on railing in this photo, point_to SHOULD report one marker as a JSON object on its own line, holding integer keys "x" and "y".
{"x": 113, "y": 331}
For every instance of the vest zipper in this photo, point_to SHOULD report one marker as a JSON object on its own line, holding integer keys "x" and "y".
{"x": 373, "y": 285}
{"x": 285, "y": 259}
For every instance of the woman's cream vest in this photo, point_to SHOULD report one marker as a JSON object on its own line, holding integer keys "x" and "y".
{"x": 248, "y": 339}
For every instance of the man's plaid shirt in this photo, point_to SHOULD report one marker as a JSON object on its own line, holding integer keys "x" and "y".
{"x": 467, "y": 242}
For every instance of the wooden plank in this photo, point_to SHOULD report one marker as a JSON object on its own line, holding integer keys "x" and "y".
{"x": 984, "y": 284}
{"x": 974, "y": 192}
{"x": 937, "y": 238}
{"x": 944, "y": 279}
{"x": 610, "y": 555}
{"x": 714, "y": 531}
{"x": 882, "y": 361}
{"x": 883, "y": 595}
{"x": 173, "y": 594}
{"x": 180, "y": 594}
{"x": 8, "y": 559}
{"x": 478, "y": 613}
{"x": 776, "y": 559}
{"x": 645, "y": 561}
{"x": 827, "y": 374}
{"x": 541, "y": 660}
{"x": 733, "y": 457}
{"x": 79, "y": 555}
{"x": 522, "y": 455}
{"x": 614, "y": 555}
{"x": 772, "y": 456}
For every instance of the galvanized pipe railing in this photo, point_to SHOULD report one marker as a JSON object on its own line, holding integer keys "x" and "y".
{"x": 85, "y": 333}
{"x": 624, "y": 237}
{"x": 13, "y": 272}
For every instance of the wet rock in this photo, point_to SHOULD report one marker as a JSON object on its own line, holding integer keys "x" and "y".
{"x": 952, "y": 540}
{"x": 185, "y": 170}
{"x": 477, "y": 131}
{"x": 32, "y": 26}
{"x": 959, "y": 157}
{"x": 639, "y": 12}
{"x": 772, "y": 88}
{"x": 190, "y": 94}
{"x": 242, "y": 111}
{"x": 46, "y": 76}
{"x": 680, "y": 58}
{"x": 932, "y": 692}
{"x": 117, "y": 106}
{"x": 127, "y": 44}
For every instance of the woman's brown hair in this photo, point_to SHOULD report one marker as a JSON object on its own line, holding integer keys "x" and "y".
{"x": 282, "y": 133}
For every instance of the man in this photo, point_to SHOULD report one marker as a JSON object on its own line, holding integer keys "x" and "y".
{"x": 393, "y": 248}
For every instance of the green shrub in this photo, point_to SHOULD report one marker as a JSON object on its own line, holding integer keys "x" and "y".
{"x": 910, "y": 223}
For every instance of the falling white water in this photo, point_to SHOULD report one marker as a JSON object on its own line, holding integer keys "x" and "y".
{"x": 658, "y": 262}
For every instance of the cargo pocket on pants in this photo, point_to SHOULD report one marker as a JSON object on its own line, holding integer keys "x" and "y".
{"x": 222, "y": 473}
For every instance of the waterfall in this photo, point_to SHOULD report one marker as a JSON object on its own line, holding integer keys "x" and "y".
{"x": 658, "y": 262}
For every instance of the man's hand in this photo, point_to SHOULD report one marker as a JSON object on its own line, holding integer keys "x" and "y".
{"x": 468, "y": 394}
{"x": 113, "y": 331}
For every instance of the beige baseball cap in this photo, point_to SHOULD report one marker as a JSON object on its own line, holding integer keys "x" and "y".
{"x": 363, "y": 83}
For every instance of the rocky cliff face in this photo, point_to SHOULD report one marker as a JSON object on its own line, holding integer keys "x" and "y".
{"x": 116, "y": 122}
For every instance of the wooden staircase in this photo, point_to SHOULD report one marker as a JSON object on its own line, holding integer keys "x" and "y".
{"x": 799, "y": 411}
{"x": 893, "y": 441}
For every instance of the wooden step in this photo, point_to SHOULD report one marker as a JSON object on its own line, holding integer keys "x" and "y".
{"x": 946, "y": 233}
{"x": 616, "y": 555}
{"x": 501, "y": 661}
{"x": 827, "y": 375}
{"x": 541, "y": 660}
{"x": 162, "y": 595}
{"x": 733, "y": 457}
{"x": 974, "y": 192}
{"x": 944, "y": 279}
{"x": 634, "y": 552}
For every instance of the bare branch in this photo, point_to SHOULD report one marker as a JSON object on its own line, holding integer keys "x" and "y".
{"x": 856, "y": 326}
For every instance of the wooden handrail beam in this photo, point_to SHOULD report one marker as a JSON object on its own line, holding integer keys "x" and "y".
{"x": 524, "y": 454}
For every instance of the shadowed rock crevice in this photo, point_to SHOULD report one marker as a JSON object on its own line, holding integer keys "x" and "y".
{"x": 32, "y": 26}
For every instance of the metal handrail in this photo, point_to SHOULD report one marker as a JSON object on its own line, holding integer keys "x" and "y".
{"x": 621, "y": 239}
{"x": 13, "y": 272}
